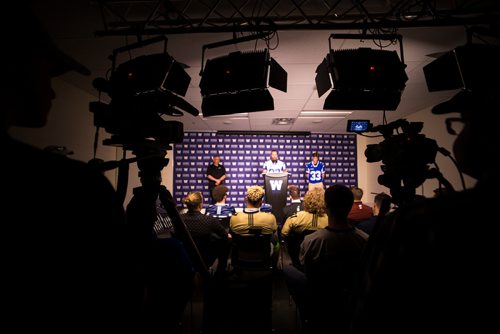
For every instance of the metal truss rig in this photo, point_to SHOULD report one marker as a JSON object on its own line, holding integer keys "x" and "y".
{"x": 153, "y": 17}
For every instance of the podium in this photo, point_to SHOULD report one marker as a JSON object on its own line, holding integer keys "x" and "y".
{"x": 276, "y": 186}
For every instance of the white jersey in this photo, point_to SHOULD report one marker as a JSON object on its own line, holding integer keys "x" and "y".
{"x": 274, "y": 167}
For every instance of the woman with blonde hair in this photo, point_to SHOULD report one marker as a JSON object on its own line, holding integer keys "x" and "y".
{"x": 312, "y": 218}
{"x": 209, "y": 235}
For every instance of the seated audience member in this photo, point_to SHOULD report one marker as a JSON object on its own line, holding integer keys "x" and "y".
{"x": 220, "y": 209}
{"x": 295, "y": 205}
{"x": 312, "y": 218}
{"x": 359, "y": 211}
{"x": 331, "y": 257}
{"x": 208, "y": 233}
{"x": 251, "y": 216}
{"x": 368, "y": 225}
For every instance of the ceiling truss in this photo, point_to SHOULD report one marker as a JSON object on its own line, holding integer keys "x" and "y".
{"x": 154, "y": 17}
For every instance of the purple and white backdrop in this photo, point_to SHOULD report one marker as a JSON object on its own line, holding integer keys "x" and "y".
{"x": 243, "y": 155}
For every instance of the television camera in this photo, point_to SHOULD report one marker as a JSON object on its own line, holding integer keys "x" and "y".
{"x": 141, "y": 90}
{"x": 406, "y": 155}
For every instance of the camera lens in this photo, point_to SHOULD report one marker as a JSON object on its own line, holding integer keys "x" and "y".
{"x": 374, "y": 152}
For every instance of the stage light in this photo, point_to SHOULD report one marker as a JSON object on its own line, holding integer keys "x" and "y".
{"x": 239, "y": 82}
{"x": 363, "y": 78}
{"x": 463, "y": 67}
{"x": 141, "y": 90}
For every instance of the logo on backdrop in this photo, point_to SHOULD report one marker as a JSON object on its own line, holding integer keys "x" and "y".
{"x": 276, "y": 184}
{"x": 241, "y": 159}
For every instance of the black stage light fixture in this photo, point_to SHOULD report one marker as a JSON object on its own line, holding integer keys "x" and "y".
{"x": 141, "y": 90}
{"x": 145, "y": 74}
{"x": 238, "y": 82}
{"x": 363, "y": 78}
{"x": 463, "y": 67}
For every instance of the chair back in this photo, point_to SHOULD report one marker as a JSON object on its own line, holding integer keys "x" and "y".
{"x": 224, "y": 221}
{"x": 251, "y": 251}
{"x": 205, "y": 246}
{"x": 293, "y": 241}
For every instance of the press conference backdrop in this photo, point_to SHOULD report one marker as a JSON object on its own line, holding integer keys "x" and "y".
{"x": 243, "y": 155}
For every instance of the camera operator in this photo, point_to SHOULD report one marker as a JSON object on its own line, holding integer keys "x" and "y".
{"x": 65, "y": 261}
{"x": 431, "y": 265}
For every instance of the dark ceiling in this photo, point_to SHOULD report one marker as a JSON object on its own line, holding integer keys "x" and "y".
{"x": 91, "y": 30}
{"x": 150, "y": 17}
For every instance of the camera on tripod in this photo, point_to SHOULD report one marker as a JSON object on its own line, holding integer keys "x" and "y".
{"x": 405, "y": 154}
{"x": 141, "y": 90}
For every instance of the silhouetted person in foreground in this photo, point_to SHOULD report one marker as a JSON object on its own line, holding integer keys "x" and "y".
{"x": 436, "y": 266}
{"x": 330, "y": 258}
{"x": 65, "y": 260}
{"x": 369, "y": 225}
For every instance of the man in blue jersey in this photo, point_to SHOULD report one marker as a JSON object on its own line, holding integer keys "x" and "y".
{"x": 274, "y": 165}
{"x": 315, "y": 172}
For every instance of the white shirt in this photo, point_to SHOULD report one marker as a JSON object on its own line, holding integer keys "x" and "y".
{"x": 274, "y": 167}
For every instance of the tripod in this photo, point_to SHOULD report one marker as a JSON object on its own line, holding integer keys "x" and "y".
{"x": 165, "y": 279}
{"x": 141, "y": 210}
